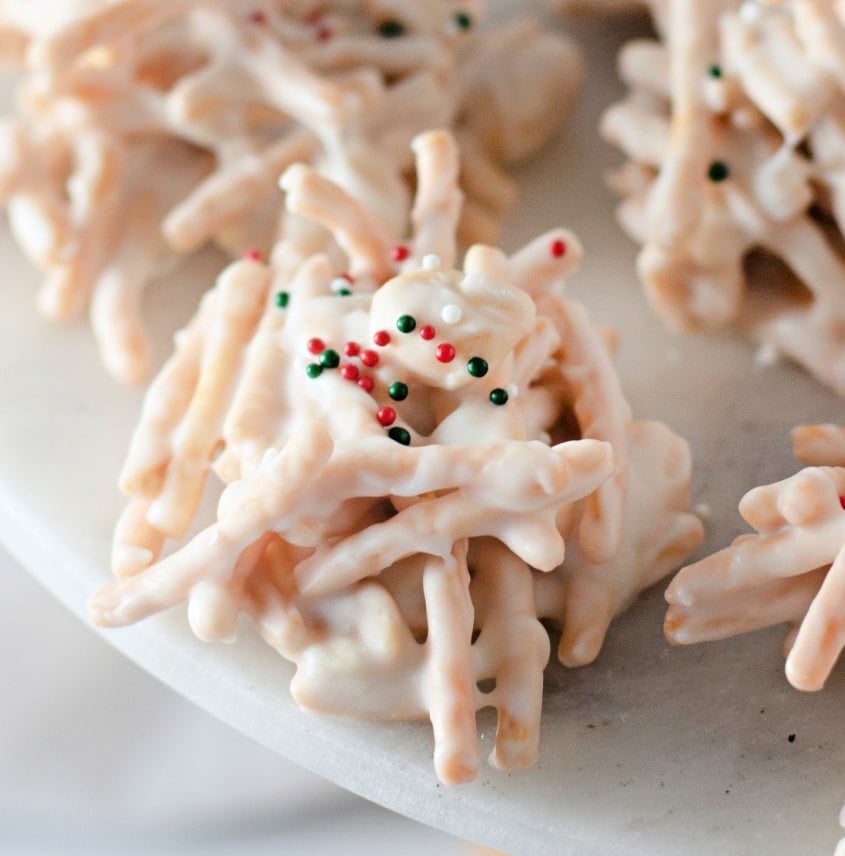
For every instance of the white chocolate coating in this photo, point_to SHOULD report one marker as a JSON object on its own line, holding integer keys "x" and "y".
{"x": 791, "y": 570}
{"x": 398, "y": 575}
{"x": 734, "y": 129}
{"x": 147, "y": 128}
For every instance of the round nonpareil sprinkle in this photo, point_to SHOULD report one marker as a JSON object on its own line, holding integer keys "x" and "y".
{"x": 313, "y": 370}
{"x": 398, "y": 391}
{"x": 315, "y": 346}
{"x": 351, "y": 349}
{"x": 499, "y": 396}
{"x": 399, "y": 253}
{"x": 718, "y": 171}
{"x": 366, "y": 383}
{"x": 406, "y": 323}
{"x": 427, "y": 332}
{"x": 254, "y": 256}
{"x": 386, "y": 416}
{"x": 369, "y": 358}
{"x": 282, "y": 299}
{"x": 477, "y": 367}
{"x": 400, "y": 435}
{"x": 329, "y": 359}
{"x": 431, "y": 261}
{"x": 558, "y": 248}
{"x": 349, "y": 372}
{"x": 381, "y": 338}
{"x": 451, "y": 313}
{"x": 391, "y": 29}
{"x": 343, "y": 292}
{"x": 445, "y": 352}
{"x": 750, "y": 12}
{"x": 463, "y": 21}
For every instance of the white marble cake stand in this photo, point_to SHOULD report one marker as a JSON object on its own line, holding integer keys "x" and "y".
{"x": 651, "y": 750}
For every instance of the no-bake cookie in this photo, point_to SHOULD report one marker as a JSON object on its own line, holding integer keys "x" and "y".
{"x": 407, "y": 442}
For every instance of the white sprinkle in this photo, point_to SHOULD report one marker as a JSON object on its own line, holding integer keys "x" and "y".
{"x": 338, "y": 283}
{"x": 512, "y": 390}
{"x": 451, "y": 314}
{"x": 767, "y": 355}
{"x": 745, "y": 118}
{"x": 750, "y": 12}
{"x": 431, "y": 261}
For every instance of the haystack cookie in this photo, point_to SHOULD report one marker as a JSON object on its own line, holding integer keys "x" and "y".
{"x": 407, "y": 445}
{"x": 791, "y": 570}
{"x": 149, "y": 128}
{"x": 734, "y": 129}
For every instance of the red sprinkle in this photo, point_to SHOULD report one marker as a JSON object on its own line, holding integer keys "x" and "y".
{"x": 381, "y": 338}
{"x": 348, "y": 277}
{"x": 366, "y": 383}
{"x": 399, "y": 253}
{"x": 386, "y": 416}
{"x": 316, "y": 346}
{"x": 259, "y": 18}
{"x": 558, "y": 249}
{"x": 351, "y": 349}
{"x": 254, "y": 255}
{"x": 349, "y": 372}
{"x": 842, "y": 501}
{"x": 369, "y": 358}
{"x": 427, "y": 332}
{"x": 445, "y": 352}
{"x": 324, "y": 33}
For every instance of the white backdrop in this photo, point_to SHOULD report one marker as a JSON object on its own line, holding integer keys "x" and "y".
{"x": 97, "y": 756}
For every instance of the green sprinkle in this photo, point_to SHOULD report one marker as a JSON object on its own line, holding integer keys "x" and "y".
{"x": 329, "y": 359}
{"x": 714, "y": 71}
{"x": 400, "y": 435}
{"x": 398, "y": 391}
{"x": 390, "y": 29}
{"x": 718, "y": 171}
{"x": 463, "y": 20}
{"x": 406, "y": 323}
{"x": 282, "y": 299}
{"x": 313, "y": 370}
{"x": 343, "y": 292}
{"x": 498, "y": 396}
{"x": 477, "y": 367}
